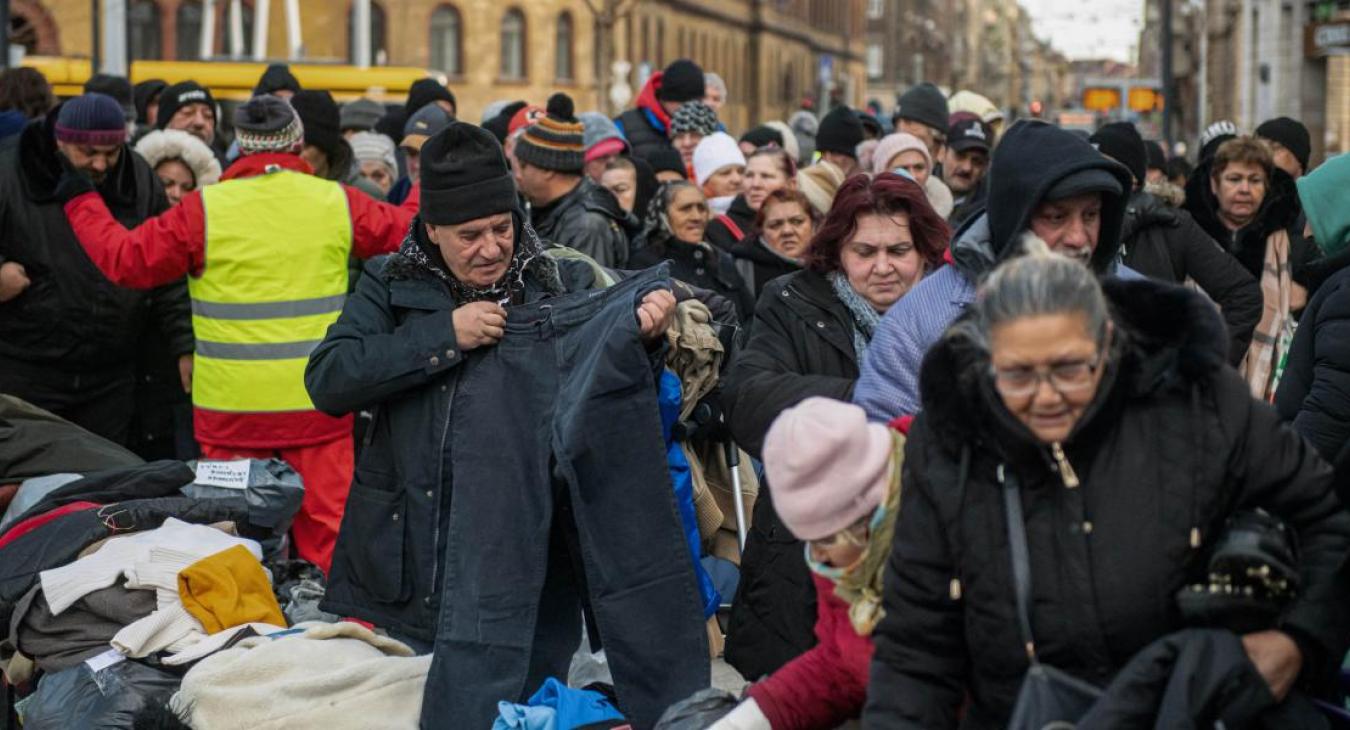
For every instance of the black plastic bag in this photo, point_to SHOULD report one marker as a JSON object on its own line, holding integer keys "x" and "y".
{"x": 698, "y": 711}
{"x": 271, "y": 488}
{"x": 109, "y": 698}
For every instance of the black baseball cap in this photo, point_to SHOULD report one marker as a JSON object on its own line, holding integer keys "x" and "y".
{"x": 969, "y": 134}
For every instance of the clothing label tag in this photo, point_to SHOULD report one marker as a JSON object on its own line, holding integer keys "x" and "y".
{"x": 227, "y": 474}
{"x": 106, "y": 659}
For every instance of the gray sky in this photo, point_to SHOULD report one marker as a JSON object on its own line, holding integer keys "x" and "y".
{"x": 1088, "y": 28}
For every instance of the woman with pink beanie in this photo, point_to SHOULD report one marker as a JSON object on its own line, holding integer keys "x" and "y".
{"x": 835, "y": 480}
{"x": 904, "y": 151}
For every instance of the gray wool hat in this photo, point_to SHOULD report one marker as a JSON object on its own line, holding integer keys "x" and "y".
{"x": 360, "y": 115}
{"x": 267, "y": 124}
{"x": 924, "y": 103}
{"x": 597, "y": 128}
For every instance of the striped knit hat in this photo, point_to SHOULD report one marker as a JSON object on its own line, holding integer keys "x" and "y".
{"x": 92, "y": 118}
{"x": 268, "y": 124}
{"x": 555, "y": 142}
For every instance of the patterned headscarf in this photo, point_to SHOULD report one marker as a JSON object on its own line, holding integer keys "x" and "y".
{"x": 694, "y": 116}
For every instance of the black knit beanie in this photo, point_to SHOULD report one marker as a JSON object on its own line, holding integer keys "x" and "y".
{"x": 146, "y": 93}
{"x": 555, "y": 142}
{"x": 1122, "y": 142}
{"x": 925, "y": 104}
{"x": 1157, "y": 155}
{"x": 277, "y": 77}
{"x": 763, "y": 135}
{"x": 426, "y": 91}
{"x": 500, "y": 124}
{"x": 179, "y": 95}
{"x": 464, "y": 176}
{"x": 681, "y": 81}
{"x": 666, "y": 159}
{"x": 1291, "y": 134}
{"x": 322, "y": 119}
{"x": 840, "y": 131}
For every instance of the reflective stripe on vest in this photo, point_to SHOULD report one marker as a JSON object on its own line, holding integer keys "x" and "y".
{"x": 275, "y": 278}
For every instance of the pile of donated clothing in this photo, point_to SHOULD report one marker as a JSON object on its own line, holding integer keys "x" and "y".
{"x": 157, "y": 594}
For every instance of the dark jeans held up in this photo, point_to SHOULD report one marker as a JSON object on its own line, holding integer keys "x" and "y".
{"x": 557, "y": 450}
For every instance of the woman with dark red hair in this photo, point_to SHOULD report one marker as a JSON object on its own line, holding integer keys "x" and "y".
{"x": 811, "y": 329}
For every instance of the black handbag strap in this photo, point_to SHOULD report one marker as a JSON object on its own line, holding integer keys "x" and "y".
{"x": 1021, "y": 563}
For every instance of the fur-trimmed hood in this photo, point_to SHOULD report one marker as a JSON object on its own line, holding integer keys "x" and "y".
{"x": 1281, "y": 209}
{"x": 1166, "y": 336}
{"x": 174, "y": 144}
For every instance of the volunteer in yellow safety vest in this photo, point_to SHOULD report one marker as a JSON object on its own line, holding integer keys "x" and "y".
{"x": 266, "y": 250}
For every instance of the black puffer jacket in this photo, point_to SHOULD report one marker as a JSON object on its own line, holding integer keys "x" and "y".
{"x": 1281, "y": 209}
{"x": 589, "y": 220}
{"x": 71, "y": 318}
{"x": 758, "y": 264}
{"x": 1314, "y": 393}
{"x": 1164, "y": 243}
{"x": 1172, "y": 445}
{"x": 393, "y": 351}
{"x": 701, "y": 266}
{"x": 800, "y": 346}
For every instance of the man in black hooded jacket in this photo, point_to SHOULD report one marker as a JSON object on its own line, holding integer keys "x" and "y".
{"x": 69, "y": 338}
{"x": 1042, "y": 180}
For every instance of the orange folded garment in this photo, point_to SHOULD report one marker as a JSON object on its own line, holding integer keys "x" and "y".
{"x": 228, "y": 589}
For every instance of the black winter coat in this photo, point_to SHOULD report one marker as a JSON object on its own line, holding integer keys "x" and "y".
{"x": 71, "y": 318}
{"x": 1164, "y": 243}
{"x": 758, "y": 264}
{"x": 1172, "y": 445}
{"x": 700, "y": 266}
{"x": 589, "y": 220}
{"x": 643, "y": 138}
{"x": 1314, "y": 393}
{"x": 1281, "y": 209}
{"x": 393, "y": 351}
{"x": 800, "y": 346}
{"x": 741, "y": 216}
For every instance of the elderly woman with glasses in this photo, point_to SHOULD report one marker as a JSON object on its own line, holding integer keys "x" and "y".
{"x": 1107, "y": 411}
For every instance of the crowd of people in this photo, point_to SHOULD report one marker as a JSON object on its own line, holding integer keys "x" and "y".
{"x": 1036, "y": 412}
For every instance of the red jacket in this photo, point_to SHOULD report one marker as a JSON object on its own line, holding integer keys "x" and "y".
{"x": 827, "y": 685}
{"x": 173, "y": 244}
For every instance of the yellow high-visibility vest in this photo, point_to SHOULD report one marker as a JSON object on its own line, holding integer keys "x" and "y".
{"x": 275, "y": 278}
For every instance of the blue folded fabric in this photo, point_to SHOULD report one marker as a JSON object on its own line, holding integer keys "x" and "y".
{"x": 573, "y": 707}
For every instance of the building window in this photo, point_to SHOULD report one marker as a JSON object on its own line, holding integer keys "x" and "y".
{"x": 876, "y": 61}
{"x": 188, "y": 21}
{"x": 513, "y": 45}
{"x": 446, "y": 40}
{"x": 379, "y": 53}
{"x": 224, "y": 22}
{"x": 563, "y": 48}
{"x": 875, "y": 9}
{"x": 143, "y": 30}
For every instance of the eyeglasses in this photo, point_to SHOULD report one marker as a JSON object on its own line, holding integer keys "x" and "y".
{"x": 1069, "y": 376}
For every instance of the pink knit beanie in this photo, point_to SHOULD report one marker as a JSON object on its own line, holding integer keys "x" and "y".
{"x": 892, "y": 145}
{"x": 827, "y": 466}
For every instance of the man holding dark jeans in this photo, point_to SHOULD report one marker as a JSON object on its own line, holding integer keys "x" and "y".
{"x": 515, "y": 468}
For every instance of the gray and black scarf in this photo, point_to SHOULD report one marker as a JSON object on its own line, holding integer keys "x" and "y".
{"x": 865, "y": 318}
{"x": 527, "y": 258}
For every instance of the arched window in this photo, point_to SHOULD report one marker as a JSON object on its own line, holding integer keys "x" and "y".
{"x": 562, "y": 63}
{"x": 513, "y": 45}
{"x": 188, "y": 21}
{"x": 143, "y": 30}
{"x": 447, "y": 40}
{"x": 379, "y": 53}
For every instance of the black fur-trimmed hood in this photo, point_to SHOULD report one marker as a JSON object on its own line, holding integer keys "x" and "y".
{"x": 1281, "y": 209}
{"x": 1166, "y": 336}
